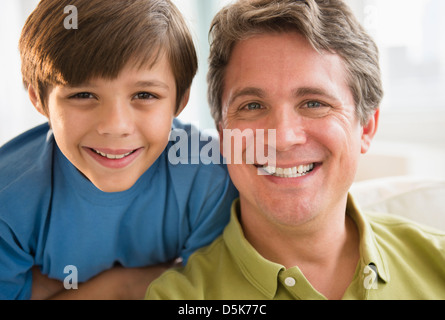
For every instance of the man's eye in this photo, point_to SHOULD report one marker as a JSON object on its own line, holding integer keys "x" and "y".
{"x": 253, "y": 106}
{"x": 315, "y": 109}
{"x": 313, "y": 104}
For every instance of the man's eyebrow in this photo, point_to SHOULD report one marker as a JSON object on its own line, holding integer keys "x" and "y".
{"x": 312, "y": 91}
{"x": 299, "y": 92}
{"x": 248, "y": 91}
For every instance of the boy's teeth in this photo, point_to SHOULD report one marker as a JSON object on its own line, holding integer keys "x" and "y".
{"x": 293, "y": 172}
{"x": 113, "y": 156}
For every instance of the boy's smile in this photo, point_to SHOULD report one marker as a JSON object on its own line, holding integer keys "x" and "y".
{"x": 113, "y": 130}
{"x": 113, "y": 158}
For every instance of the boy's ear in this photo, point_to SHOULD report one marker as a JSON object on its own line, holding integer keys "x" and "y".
{"x": 184, "y": 101}
{"x": 369, "y": 131}
{"x": 34, "y": 97}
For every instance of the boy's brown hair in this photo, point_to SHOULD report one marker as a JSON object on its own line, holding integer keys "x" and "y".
{"x": 328, "y": 25}
{"x": 110, "y": 34}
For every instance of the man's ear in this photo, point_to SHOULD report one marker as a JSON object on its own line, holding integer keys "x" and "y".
{"x": 183, "y": 103}
{"x": 221, "y": 138}
{"x": 34, "y": 97}
{"x": 369, "y": 131}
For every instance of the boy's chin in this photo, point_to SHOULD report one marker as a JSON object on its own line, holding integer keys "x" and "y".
{"x": 114, "y": 186}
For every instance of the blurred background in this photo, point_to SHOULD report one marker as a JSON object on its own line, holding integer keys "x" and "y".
{"x": 411, "y": 38}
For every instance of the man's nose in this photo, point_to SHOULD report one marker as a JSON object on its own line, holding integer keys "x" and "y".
{"x": 116, "y": 119}
{"x": 289, "y": 126}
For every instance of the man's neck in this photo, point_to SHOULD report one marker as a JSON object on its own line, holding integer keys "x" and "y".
{"x": 324, "y": 248}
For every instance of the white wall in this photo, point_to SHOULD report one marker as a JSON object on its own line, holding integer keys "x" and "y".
{"x": 16, "y": 112}
{"x": 411, "y": 137}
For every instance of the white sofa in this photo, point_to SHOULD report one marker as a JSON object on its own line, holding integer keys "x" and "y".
{"x": 416, "y": 198}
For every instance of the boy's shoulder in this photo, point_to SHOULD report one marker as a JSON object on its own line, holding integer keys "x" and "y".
{"x": 28, "y": 154}
{"x": 189, "y": 144}
{"x": 24, "y": 140}
{"x": 193, "y": 153}
{"x": 196, "y": 168}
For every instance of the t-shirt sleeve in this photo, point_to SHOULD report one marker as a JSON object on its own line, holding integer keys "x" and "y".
{"x": 209, "y": 208}
{"x": 15, "y": 267}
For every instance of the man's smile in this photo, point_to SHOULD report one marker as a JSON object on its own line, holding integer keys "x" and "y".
{"x": 289, "y": 172}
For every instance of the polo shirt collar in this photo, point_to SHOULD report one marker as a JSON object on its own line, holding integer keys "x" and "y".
{"x": 370, "y": 251}
{"x": 263, "y": 274}
{"x": 260, "y": 272}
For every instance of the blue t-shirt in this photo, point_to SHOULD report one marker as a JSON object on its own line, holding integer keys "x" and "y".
{"x": 51, "y": 216}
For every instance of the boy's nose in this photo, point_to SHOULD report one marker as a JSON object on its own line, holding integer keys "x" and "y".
{"x": 116, "y": 119}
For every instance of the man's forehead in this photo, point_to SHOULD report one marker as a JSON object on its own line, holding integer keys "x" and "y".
{"x": 299, "y": 68}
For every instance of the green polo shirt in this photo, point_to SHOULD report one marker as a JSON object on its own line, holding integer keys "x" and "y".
{"x": 399, "y": 259}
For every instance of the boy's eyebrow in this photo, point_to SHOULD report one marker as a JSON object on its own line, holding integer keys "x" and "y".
{"x": 142, "y": 83}
{"x": 81, "y": 85}
{"x": 151, "y": 83}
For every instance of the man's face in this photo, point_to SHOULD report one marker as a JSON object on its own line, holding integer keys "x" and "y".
{"x": 278, "y": 81}
{"x": 114, "y": 130}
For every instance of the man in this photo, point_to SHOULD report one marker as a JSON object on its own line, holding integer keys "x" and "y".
{"x": 308, "y": 71}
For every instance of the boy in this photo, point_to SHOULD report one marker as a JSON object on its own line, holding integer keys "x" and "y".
{"x": 94, "y": 187}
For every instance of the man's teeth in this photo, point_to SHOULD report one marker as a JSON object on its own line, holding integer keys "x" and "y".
{"x": 113, "y": 156}
{"x": 293, "y": 172}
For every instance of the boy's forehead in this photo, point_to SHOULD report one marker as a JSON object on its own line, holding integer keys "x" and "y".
{"x": 150, "y": 74}
{"x": 136, "y": 64}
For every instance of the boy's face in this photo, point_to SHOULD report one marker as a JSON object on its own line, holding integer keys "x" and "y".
{"x": 114, "y": 130}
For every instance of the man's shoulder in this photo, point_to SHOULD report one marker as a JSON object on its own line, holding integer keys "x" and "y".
{"x": 396, "y": 230}
{"x": 414, "y": 256}
{"x": 394, "y": 221}
{"x": 207, "y": 256}
{"x": 190, "y": 281}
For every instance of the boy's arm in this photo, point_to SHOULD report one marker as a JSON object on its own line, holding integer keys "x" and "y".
{"x": 117, "y": 283}
{"x": 42, "y": 286}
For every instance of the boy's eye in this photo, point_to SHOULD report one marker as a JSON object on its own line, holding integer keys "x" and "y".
{"x": 82, "y": 95}
{"x": 144, "y": 96}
